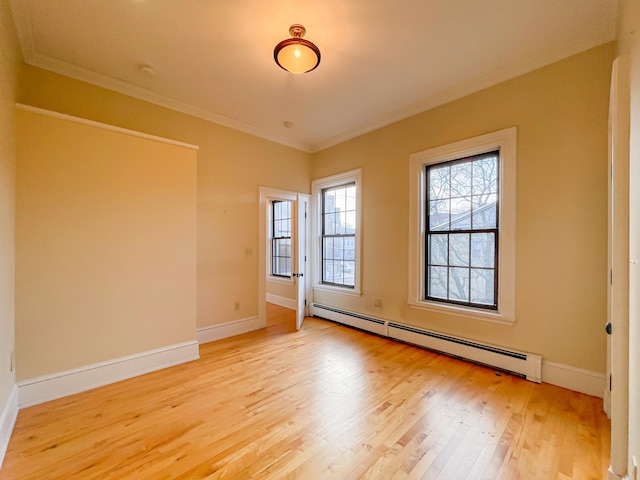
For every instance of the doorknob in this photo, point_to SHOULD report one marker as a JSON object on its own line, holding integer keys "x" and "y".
{"x": 607, "y": 328}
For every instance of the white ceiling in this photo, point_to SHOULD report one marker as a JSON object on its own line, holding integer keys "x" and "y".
{"x": 382, "y": 60}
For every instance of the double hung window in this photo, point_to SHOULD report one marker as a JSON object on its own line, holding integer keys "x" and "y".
{"x": 339, "y": 235}
{"x": 336, "y": 207}
{"x": 281, "y": 239}
{"x": 462, "y": 200}
{"x": 462, "y": 231}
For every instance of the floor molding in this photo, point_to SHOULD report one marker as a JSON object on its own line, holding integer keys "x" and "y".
{"x": 50, "y": 387}
{"x": 229, "y": 329}
{"x": 281, "y": 301}
{"x": 573, "y": 378}
{"x": 7, "y": 421}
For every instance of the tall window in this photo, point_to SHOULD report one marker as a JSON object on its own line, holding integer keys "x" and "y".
{"x": 281, "y": 238}
{"x": 462, "y": 228}
{"x": 339, "y": 235}
{"x": 462, "y": 231}
{"x": 336, "y": 211}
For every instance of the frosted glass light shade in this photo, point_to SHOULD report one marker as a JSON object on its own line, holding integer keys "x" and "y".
{"x": 297, "y": 55}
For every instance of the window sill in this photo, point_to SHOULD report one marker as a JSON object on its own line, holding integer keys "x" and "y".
{"x": 341, "y": 291}
{"x": 458, "y": 311}
{"x": 281, "y": 280}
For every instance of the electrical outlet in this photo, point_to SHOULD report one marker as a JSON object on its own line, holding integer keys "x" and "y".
{"x": 236, "y": 306}
{"x": 377, "y": 302}
{"x": 248, "y": 252}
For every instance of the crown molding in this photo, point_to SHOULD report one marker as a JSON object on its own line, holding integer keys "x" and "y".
{"x": 480, "y": 83}
{"x": 73, "y": 71}
{"x": 24, "y": 29}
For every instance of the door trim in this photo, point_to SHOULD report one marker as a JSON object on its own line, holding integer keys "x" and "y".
{"x": 267, "y": 194}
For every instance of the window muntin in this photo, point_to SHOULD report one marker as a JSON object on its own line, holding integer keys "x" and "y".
{"x": 281, "y": 239}
{"x": 462, "y": 231}
{"x": 338, "y": 224}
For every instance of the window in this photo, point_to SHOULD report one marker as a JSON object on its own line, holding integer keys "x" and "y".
{"x": 336, "y": 254}
{"x": 338, "y": 235}
{"x": 462, "y": 228}
{"x": 281, "y": 239}
{"x": 462, "y": 231}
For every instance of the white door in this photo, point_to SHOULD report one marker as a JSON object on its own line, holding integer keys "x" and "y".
{"x": 618, "y": 262}
{"x": 300, "y": 275}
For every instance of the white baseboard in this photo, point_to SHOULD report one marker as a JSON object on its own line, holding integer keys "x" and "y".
{"x": 49, "y": 387}
{"x": 7, "y": 421}
{"x": 229, "y": 329}
{"x": 282, "y": 301}
{"x": 573, "y": 378}
{"x": 614, "y": 476}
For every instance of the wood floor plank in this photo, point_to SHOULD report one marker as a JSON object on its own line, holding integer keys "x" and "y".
{"x": 325, "y": 402}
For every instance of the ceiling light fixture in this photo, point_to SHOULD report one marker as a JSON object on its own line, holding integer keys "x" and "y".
{"x": 297, "y": 55}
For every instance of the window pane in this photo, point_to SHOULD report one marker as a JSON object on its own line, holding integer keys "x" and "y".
{"x": 438, "y": 249}
{"x": 459, "y": 284}
{"x": 330, "y": 224}
{"x": 439, "y": 214}
{"x": 484, "y": 211}
{"x": 437, "y": 286}
{"x": 349, "y": 248}
{"x": 348, "y": 271}
{"x": 461, "y": 179}
{"x": 439, "y": 183}
{"x": 282, "y": 264}
{"x": 350, "y": 224}
{"x": 328, "y": 271}
{"x": 461, "y": 213}
{"x": 277, "y": 228}
{"x": 329, "y": 201}
{"x": 341, "y": 199}
{"x": 327, "y": 248}
{"x": 483, "y": 250}
{"x": 351, "y": 197}
{"x": 485, "y": 175}
{"x": 459, "y": 250}
{"x": 482, "y": 286}
{"x": 338, "y": 248}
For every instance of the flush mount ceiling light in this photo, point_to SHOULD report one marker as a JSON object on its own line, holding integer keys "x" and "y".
{"x": 297, "y": 55}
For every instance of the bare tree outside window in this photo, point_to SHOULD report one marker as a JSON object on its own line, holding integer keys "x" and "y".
{"x": 462, "y": 231}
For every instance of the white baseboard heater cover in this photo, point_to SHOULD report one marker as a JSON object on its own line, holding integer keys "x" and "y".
{"x": 525, "y": 364}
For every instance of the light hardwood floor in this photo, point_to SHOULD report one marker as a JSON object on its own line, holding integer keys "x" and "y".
{"x": 324, "y": 402}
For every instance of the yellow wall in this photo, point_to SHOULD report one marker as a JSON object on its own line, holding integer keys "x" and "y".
{"x": 629, "y": 43}
{"x": 105, "y": 244}
{"x": 561, "y": 114}
{"x": 9, "y": 57}
{"x": 281, "y": 290}
{"x": 231, "y": 167}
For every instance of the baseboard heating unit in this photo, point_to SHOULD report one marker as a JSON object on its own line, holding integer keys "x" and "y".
{"x": 524, "y": 364}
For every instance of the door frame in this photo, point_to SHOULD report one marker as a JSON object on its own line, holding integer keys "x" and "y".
{"x": 616, "y": 395}
{"x": 268, "y": 194}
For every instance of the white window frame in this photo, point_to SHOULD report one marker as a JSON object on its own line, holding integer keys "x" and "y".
{"x": 317, "y": 186}
{"x": 506, "y": 142}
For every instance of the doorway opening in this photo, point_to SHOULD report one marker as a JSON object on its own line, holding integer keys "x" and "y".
{"x": 283, "y": 282}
